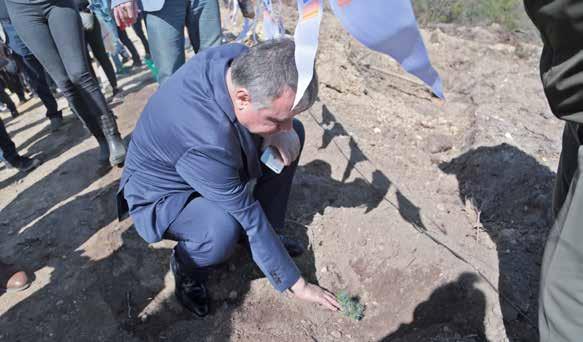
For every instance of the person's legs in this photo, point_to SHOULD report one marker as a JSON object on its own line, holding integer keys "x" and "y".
{"x": 137, "y": 26}
{"x": 36, "y": 78}
{"x": 66, "y": 31}
{"x": 6, "y": 144}
{"x": 12, "y": 82}
{"x": 123, "y": 36}
{"x": 166, "y": 34}
{"x": 95, "y": 40}
{"x": 204, "y": 24}
{"x": 561, "y": 284}
{"x": 10, "y": 154}
{"x": 206, "y": 236}
{"x": 5, "y": 98}
{"x": 30, "y": 22}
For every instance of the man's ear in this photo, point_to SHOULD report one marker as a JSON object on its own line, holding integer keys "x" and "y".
{"x": 242, "y": 99}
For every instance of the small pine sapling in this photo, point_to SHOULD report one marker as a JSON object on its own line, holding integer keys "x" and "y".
{"x": 351, "y": 306}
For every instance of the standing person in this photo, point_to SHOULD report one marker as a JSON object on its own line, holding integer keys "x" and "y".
{"x": 560, "y": 23}
{"x": 52, "y": 30}
{"x": 138, "y": 28}
{"x": 127, "y": 42}
{"x": 112, "y": 44}
{"x": 94, "y": 38}
{"x": 165, "y": 22}
{"x": 193, "y": 173}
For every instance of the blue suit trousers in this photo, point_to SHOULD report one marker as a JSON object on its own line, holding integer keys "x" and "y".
{"x": 207, "y": 235}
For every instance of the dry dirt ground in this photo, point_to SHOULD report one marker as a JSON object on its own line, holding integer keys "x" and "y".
{"x": 434, "y": 214}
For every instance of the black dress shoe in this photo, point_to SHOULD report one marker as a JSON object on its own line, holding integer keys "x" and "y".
{"x": 192, "y": 294}
{"x": 23, "y": 164}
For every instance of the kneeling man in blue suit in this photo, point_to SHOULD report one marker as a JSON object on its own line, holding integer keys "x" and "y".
{"x": 193, "y": 172}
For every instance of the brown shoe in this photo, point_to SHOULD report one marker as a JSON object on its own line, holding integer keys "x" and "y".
{"x": 12, "y": 279}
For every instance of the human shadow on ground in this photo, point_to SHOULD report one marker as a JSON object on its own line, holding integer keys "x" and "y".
{"x": 513, "y": 192}
{"x": 333, "y": 129}
{"x": 14, "y": 132}
{"x": 313, "y": 191}
{"x": 46, "y": 145}
{"x": 68, "y": 179}
{"x": 86, "y": 298}
{"x": 454, "y": 312}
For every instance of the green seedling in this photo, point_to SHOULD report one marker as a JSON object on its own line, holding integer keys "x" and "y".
{"x": 351, "y": 306}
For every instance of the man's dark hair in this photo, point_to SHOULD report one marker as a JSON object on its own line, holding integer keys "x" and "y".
{"x": 267, "y": 68}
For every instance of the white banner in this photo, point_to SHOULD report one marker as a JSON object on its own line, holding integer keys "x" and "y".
{"x": 306, "y": 40}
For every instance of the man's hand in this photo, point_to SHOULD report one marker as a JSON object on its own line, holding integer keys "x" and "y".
{"x": 287, "y": 144}
{"x": 315, "y": 294}
{"x": 126, "y": 14}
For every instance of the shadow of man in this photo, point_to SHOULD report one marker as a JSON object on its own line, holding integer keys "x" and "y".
{"x": 454, "y": 312}
{"x": 513, "y": 192}
{"x": 47, "y": 145}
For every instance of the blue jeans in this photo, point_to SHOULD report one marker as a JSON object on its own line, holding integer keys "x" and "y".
{"x": 166, "y": 32}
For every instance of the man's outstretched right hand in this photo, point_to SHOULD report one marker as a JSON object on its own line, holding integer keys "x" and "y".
{"x": 315, "y": 294}
{"x": 126, "y": 14}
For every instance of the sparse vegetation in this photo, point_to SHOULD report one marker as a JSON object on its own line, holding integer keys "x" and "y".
{"x": 351, "y": 306}
{"x": 508, "y": 13}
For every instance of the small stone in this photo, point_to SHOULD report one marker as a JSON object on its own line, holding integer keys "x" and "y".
{"x": 438, "y": 143}
{"x": 324, "y": 269}
{"x": 60, "y": 302}
{"x": 362, "y": 242}
{"x": 336, "y": 334}
{"x": 233, "y": 295}
{"x": 144, "y": 318}
{"x": 377, "y": 130}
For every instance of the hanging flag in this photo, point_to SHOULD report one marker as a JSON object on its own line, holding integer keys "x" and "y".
{"x": 306, "y": 40}
{"x": 389, "y": 27}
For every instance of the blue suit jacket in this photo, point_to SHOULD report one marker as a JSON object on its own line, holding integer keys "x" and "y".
{"x": 188, "y": 140}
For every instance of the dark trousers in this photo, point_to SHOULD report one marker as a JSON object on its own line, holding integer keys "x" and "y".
{"x": 561, "y": 283}
{"x": 12, "y": 81}
{"x": 95, "y": 41}
{"x": 560, "y": 23}
{"x": 126, "y": 41}
{"x": 207, "y": 235}
{"x": 35, "y": 75}
{"x": 5, "y": 98}
{"x": 7, "y": 145}
{"x": 138, "y": 28}
{"x": 52, "y": 31}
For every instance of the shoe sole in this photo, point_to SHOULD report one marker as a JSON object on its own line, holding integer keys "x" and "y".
{"x": 32, "y": 166}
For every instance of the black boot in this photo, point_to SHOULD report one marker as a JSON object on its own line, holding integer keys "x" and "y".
{"x": 117, "y": 150}
{"x": 92, "y": 124}
{"x": 192, "y": 294}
